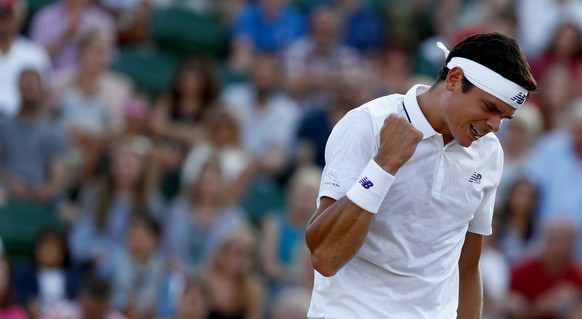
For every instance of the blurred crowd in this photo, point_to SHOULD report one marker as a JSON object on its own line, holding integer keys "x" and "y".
{"x": 161, "y": 158}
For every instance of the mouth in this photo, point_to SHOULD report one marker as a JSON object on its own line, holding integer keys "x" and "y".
{"x": 476, "y": 131}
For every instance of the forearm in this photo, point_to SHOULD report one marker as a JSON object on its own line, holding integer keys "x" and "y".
{"x": 470, "y": 293}
{"x": 336, "y": 234}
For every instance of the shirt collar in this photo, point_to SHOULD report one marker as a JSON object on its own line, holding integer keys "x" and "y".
{"x": 414, "y": 112}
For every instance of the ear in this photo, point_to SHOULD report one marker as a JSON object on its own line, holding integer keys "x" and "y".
{"x": 454, "y": 79}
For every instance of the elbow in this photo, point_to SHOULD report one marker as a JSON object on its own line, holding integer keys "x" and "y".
{"x": 323, "y": 265}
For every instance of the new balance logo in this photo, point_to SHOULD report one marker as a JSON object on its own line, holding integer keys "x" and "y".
{"x": 475, "y": 178}
{"x": 519, "y": 98}
{"x": 366, "y": 183}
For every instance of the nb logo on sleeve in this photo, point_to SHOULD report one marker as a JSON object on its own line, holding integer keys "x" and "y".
{"x": 475, "y": 178}
{"x": 366, "y": 183}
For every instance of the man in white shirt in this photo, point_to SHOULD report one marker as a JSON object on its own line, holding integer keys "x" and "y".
{"x": 408, "y": 189}
{"x": 16, "y": 55}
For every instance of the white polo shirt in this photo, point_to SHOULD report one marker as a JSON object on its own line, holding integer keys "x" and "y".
{"x": 408, "y": 264}
{"x": 23, "y": 54}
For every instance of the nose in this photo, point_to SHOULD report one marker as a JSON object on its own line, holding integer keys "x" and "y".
{"x": 494, "y": 123}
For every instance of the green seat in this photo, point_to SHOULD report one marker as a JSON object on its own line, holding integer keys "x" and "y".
{"x": 188, "y": 33}
{"x": 264, "y": 196}
{"x": 151, "y": 71}
{"x": 20, "y": 223}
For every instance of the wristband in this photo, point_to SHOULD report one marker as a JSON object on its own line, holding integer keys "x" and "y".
{"x": 371, "y": 187}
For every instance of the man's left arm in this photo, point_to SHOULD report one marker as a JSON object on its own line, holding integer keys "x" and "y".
{"x": 470, "y": 284}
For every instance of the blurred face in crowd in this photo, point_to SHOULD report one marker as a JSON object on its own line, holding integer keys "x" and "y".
{"x": 142, "y": 240}
{"x": 95, "y": 53}
{"x": 127, "y": 167}
{"x": 325, "y": 28}
{"x": 224, "y": 130}
{"x": 210, "y": 182}
{"x": 567, "y": 41}
{"x": 522, "y": 199}
{"x": 576, "y": 132}
{"x": 31, "y": 89}
{"x": 304, "y": 203}
{"x": 49, "y": 252}
{"x": 236, "y": 255}
{"x": 265, "y": 73}
{"x": 273, "y": 7}
{"x": 191, "y": 82}
{"x": 560, "y": 237}
{"x": 94, "y": 307}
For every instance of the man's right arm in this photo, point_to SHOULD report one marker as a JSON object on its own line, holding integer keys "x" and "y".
{"x": 338, "y": 229}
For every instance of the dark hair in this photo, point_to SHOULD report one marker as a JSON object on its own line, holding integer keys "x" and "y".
{"x": 497, "y": 52}
{"x": 96, "y": 287}
{"x": 507, "y": 212}
{"x": 209, "y": 90}
{"x": 60, "y": 236}
{"x": 148, "y": 222}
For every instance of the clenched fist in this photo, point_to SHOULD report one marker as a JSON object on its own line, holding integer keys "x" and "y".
{"x": 398, "y": 141}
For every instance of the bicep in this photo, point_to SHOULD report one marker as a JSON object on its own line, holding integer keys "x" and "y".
{"x": 471, "y": 251}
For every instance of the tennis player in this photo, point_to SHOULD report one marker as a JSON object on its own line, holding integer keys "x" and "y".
{"x": 408, "y": 190}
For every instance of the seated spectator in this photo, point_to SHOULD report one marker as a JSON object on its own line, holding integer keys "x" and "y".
{"x": 284, "y": 233}
{"x": 139, "y": 270}
{"x": 364, "y": 30}
{"x": 198, "y": 219}
{"x": 551, "y": 282}
{"x": 93, "y": 303}
{"x": 60, "y": 26}
{"x": 122, "y": 190}
{"x": 264, "y": 26}
{"x": 314, "y": 63}
{"x": 8, "y": 309}
{"x": 50, "y": 279}
{"x": 31, "y": 163}
{"x": 519, "y": 215}
{"x": 176, "y": 120}
{"x": 234, "y": 291}
{"x": 16, "y": 54}
{"x": 268, "y": 117}
{"x": 90, "y": 100}
{"x": 223, "y": 141}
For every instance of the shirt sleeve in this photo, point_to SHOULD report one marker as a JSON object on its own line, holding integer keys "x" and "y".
{"x": 349, "y": 148}
{"x": 483, "y": 218}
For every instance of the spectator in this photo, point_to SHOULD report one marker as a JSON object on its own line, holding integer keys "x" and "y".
{"x": 122, "y": 190}
{"x": 50, "y": 279}
{"x": 234, "y": 291}
{"x": 268, "y": 117}
{"x": 32, "y": 149}
{"x": 313, "y": 63}
{"x": 89, "y": 100}
{"x": 364, "y": 30}
{"x": 517, "y": 139}
{"x": 560, "y": 192}
{"x": 93, "y": 303}
{"x": 16, "y": 54}
{"x": 176, "y": 120}
{"x": 223, "y": 141}
{"x": 550, "y": 282}
{"x": 283, "y": 233}
{"x": 60, "y": 26}
{"x": 559, "y": 92}
{"x": 199, "y": 219}
{"x": 139, "y": 270}
{"x": 8, "y": 309}
{"x": 264, "y": 26}
{"x": 520, "y": 223}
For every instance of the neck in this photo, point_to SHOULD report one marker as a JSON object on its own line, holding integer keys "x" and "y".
{"x": 430, "y": 103}
{"x": 27, "y": 111}
{"x": 5, "y": 44}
